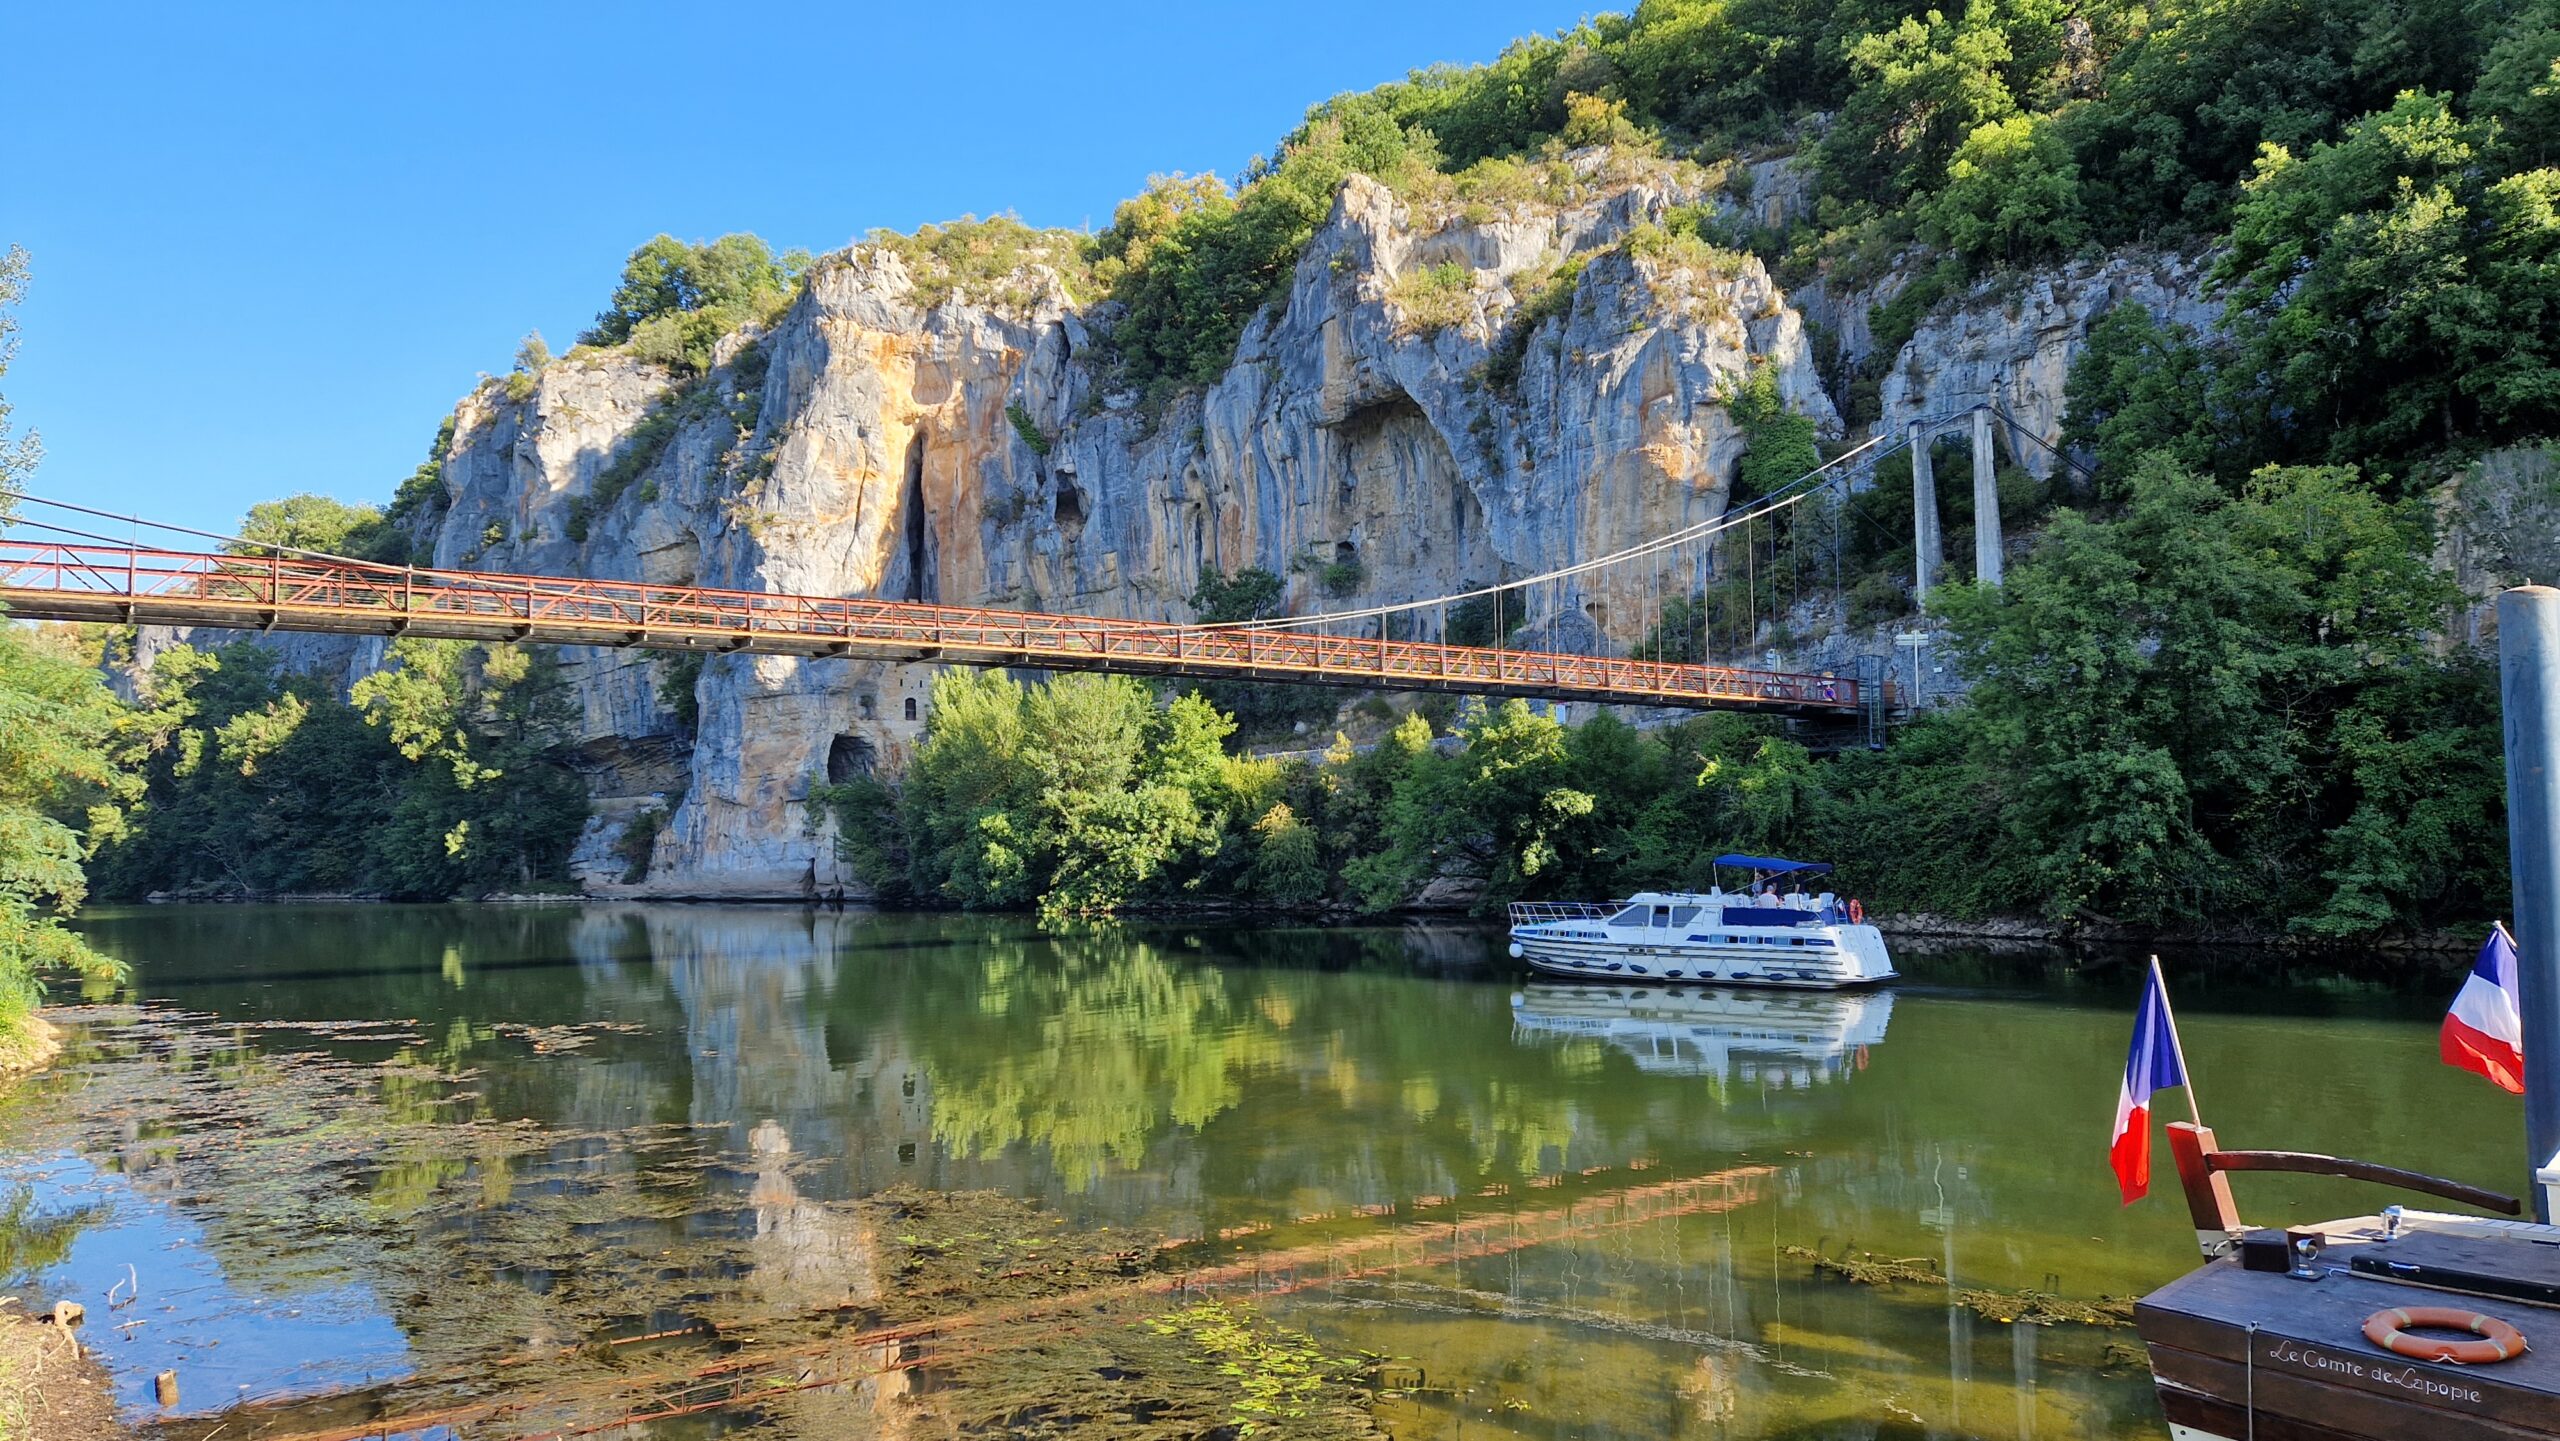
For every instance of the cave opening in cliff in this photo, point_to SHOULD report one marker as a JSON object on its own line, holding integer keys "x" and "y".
{"x": 848, "y": 757}
{"x": 1069, "y": 510}
{"x": 921, "y": 581}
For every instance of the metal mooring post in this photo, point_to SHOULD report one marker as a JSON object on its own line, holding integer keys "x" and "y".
{"x": 2529, "y": 694}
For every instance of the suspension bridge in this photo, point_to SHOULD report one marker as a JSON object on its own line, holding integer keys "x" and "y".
{"x": 70, "y": 573}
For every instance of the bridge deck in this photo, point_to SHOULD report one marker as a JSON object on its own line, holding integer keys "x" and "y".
{"x": 54, "y": 580}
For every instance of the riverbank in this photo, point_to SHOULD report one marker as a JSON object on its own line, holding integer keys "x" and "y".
{"x": 1999, "y": 932}
{"x": 30, "y": 1045}
{"x": 1994, "y": 933}
{"x": 51, "y": 1389}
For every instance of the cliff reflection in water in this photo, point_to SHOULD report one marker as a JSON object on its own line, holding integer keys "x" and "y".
{"x": 1125, "y": 1070}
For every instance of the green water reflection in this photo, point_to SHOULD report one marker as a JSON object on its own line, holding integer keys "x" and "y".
{"x": 1270, "y": 1086}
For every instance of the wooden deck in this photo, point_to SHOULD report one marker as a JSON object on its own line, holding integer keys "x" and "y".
{"x": 2241, "y": 1353}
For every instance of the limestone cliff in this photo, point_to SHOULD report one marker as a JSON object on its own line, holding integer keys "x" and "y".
{"x": 893, "y": 435}
{"x": 2011, "y": 340}
{"x": 968, "y": 451}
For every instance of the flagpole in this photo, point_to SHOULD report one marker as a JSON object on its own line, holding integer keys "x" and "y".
{"x": 2194, "y": 1112}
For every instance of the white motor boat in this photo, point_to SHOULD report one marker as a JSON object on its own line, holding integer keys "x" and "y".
{"x": 1773, "y": 932}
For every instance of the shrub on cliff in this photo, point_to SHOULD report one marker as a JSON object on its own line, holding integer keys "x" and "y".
{"x": 1259, "y": 710}
{"x": 675, "y": 300}
{"x": 992, "y": 262}
{"x": 1190, "y": 263}
{"x": 1432, "y": 298}
{"x": 2400, "y": 288}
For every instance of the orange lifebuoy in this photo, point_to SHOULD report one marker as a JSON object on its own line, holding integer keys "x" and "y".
{"x": 2389, "y": 1328}
{"x": 1857, "y": 913}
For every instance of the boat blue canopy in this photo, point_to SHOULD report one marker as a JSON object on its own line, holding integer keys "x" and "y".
{"x": 1773, "y": 864}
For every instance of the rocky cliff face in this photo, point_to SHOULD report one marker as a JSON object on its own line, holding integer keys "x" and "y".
{"x": 890, "y": 436}
{"x": 2011, "y": 340}
{"x": 883, "y": 456}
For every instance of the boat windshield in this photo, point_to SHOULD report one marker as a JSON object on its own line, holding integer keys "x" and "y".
{"x": 1655, "y": 915}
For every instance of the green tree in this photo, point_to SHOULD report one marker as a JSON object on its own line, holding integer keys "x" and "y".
{"x": 2394, "y": 289}
{"x": 309, "y": 522}
{"x": 675, "y": 300}
{"x": 2162, "y": 694}
{"x": 2519, "y": 84}
{"x": 2198, "y": 87}
{"x": 1248, "y": 595}
{"x": 1779, "y": 444}
{"x": 1079, "y": 795}
{"x": 1508, "y": 813}
{"x": 60, "y": 789}
{"x": 1922, "y": 86}
{"x": 1288, "y": 859}
{"x": 447, "y": 774}
{"x": 19, "y": 455}
{"x": 492, "y": 801}
{"x": 2138, "y": 386}
{"x": 2012, "y": 195}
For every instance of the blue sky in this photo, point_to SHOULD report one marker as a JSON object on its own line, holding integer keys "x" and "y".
{"x": 273, "y": 244}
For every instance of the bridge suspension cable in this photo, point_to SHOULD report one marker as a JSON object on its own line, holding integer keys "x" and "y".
{"x": 1794, "y": 492}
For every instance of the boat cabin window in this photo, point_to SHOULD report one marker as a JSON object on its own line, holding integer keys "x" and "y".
{"x": 1681, "y": 916}
{"x": 1631, "y": 916}
{"x": 1661, "y": 917}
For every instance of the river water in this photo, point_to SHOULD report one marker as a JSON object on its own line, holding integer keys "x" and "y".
{"x": 316, "y": 1147}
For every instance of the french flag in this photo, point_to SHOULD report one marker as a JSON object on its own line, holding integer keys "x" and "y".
{"x": 2154, "y": 1064}
{"x": 2484, "y": 1032}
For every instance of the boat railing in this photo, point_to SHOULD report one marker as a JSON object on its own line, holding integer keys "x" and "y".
{"x": 2202, "y": 1166}
{"x": 1531, "y": 912}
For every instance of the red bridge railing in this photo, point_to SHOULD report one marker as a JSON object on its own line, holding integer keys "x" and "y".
{"x": 58, "y": 580}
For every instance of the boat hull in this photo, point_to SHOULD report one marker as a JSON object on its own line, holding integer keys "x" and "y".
{"x": 2237, "y": 1353}
{"x": 1854, "y": 956}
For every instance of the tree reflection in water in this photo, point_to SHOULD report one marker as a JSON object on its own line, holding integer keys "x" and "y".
{"x": 1090, "y": 1050}
{"x": 523, "y": 1127}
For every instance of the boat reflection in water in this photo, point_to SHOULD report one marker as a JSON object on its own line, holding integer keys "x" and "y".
{"x": 1796, "y": 1039}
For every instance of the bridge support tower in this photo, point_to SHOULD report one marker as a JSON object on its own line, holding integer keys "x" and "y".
{"x": 1987, "y": 549}
{"x": 1928, "y": 539}
{"x": 1928, "y": 548}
